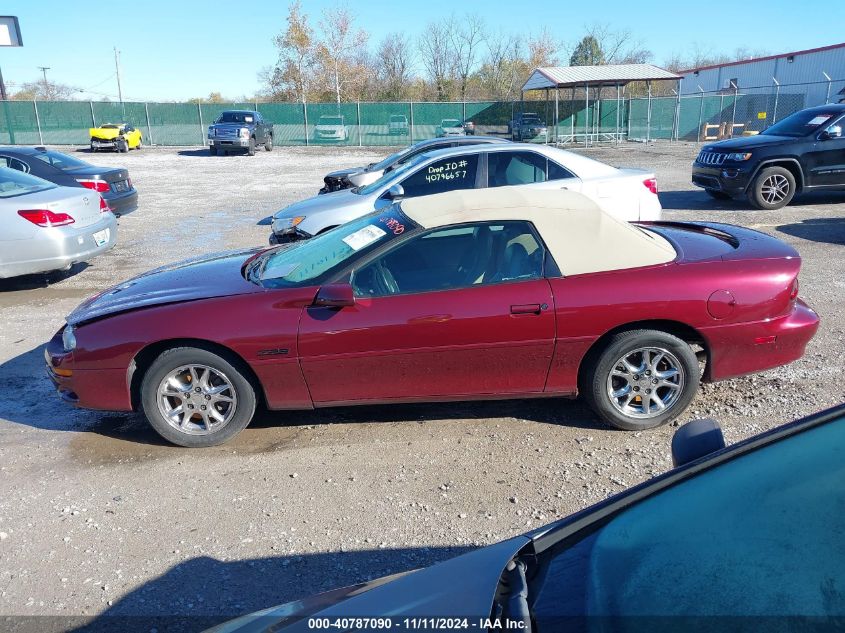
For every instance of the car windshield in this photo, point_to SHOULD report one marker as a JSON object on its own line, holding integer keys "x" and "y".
{"x": 451, "y": 123}
{"x": 60, "y": 161}
{"x": 698, "y": 547}
{"x": 110, "y": 126}
{"x": 388, "y": 176}
{"x": 306, "y": 262}
{"x": 387, "y": 162}
{"x": 331, "y": 120}
{"x": 801, "y": 123}
{"x": 16, "y": 183}
{"x": 234, "y": 117}
{"x": 397, "y": 118}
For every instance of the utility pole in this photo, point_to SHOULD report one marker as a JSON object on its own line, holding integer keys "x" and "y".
{"x": 44, "y": 70}
{"x": 117, "y": 72}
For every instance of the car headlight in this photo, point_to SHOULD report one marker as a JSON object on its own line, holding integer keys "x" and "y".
{"x": 738, "y": 156}
{"x": 244, "y": 132}
{"x": 69, "y": 338}
{"x": 212, "y": 132}
{"x": 288, "y": 223}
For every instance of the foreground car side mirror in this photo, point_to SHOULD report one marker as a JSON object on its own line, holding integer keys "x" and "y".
{"x": 335, "y": 296}
{"x": 396, "y": 192}
{"x": 696, "y": 439}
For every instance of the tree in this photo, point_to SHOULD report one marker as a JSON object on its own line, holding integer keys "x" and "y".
{"x": 436, "y": 55}
{"x": 42, "y": 90}
{"x": 542, "y": 50}
{"x": 213, "y": 97}
{"x": 293, "y": 72}
{"x": 393, "y": 67}
{"x": 342, "y": 50}
{"x": 466, "y": 41}
{"x": 588, "y": 52}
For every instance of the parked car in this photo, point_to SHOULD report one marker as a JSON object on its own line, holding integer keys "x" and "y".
{"x": 803, "y": 152}
{"x": 398, "y": 124}
{"x": 505, "y": 293}
{"x": 331, "y": 128}
{"x": 119, "y": 137}
{"x": 112, "y": 183}
{"x": 450, "y": 127}
{"x": 47, "y": 227}
{"x": 360, "y": 176}
{"x": 240, "y": 130}
{"x": 629, "y": 194}
{"x": 469, "y": 127}
{"x": 751, "y": 533}
{"x": 527, "y": 126}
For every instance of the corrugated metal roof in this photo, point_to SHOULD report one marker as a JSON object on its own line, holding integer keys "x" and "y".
{"x": 567, "y": 76}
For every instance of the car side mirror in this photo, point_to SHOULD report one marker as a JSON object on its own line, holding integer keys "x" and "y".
{"x": 834, "y": 131}
{"x": 696, "y": 439}
{"x": 396, "y": 192}
{"x": 338, "y": 295}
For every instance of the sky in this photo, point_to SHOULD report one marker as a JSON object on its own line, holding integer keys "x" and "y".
{"x": 173, "y": 50}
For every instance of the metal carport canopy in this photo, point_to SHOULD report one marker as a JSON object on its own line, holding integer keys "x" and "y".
{"x": 556, "y": 77}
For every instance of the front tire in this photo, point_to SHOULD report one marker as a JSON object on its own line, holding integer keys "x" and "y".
{"x": 773, "y": 188}
{"x": 251, "y": 149}
{"x": 641, "y": 379}
{"x": 122, "y": 146}
{"x": 268, "y": 144}
{"x": 212, "y": 150}
{"x": 193, "y": 397}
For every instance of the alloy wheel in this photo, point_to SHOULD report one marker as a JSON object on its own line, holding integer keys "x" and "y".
{"x": 774, "y": 189}
{"x": 645, "y": 382}
{"x": 197, "y": 399}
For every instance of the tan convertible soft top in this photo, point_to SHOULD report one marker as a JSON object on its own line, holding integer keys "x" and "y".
{"x": 581, "y": 237}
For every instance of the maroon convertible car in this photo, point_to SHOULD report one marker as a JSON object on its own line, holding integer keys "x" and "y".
{"x": 495, "y": 293}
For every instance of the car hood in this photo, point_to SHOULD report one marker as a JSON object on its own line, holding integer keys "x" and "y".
{"x": 460, "y": 587}
{"x": 231, "y": 125}
{"x": 204, "y": 277}
{"x": 748, "y": 142}
{"x": 317, "y": 204}
{"x": 343, "y": 173}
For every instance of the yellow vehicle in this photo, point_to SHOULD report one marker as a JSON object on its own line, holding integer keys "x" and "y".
{"x": 120, "y": 137}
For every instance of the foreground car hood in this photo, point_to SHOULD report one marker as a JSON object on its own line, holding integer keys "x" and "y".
{"x": 318, "y": 204}
{"x": 204, "y": 277}
{"x": 748, "y": 142}
{"x": 343, "y": 173}
{"x": 460, "y": 587}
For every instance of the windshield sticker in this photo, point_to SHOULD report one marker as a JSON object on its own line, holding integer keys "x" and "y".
{"x": 394, "y": 225}
{"x": 447, "y": 171}
{"x": 364, "y": 237}
{"x": 818, "y": 120}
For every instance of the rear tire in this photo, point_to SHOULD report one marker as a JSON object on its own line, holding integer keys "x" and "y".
{"x": 773, "y": 188}
{"x": 251, "y": 149}
{"x": 636, "y": 365}
{"x": 718, "y": 195}
{"x": 169, "y": 388}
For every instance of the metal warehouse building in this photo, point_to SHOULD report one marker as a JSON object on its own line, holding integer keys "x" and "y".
{"x": 816, "y": 74}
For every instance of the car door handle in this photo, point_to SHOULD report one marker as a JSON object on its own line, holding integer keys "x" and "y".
{"x": 526, "y": 308}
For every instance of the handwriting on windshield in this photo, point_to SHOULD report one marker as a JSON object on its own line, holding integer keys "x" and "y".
{"x": 447, "y": 171}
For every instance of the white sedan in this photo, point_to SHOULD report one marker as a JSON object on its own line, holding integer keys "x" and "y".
{"x": 628, "y": 194}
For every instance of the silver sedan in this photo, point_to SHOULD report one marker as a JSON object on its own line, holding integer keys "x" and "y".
{"x": 46, "y": 227}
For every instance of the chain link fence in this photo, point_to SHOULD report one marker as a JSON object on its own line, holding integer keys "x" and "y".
{"x": 690, "y": 117}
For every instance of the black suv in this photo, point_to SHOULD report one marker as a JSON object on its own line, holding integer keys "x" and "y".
{"x": 804, "y": 151}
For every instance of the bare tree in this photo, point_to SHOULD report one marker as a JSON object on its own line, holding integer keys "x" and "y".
{"x": 341, "y": 46}
{"x": 43, "y": 90}
{"x": 393, "y": 66}
{"x": 466, "y": 42}
{"x": 436, "y": 55}
{"x": 543, "y": 49}
{"x": 504, "y": 66}
{"x": 297, "y": 56}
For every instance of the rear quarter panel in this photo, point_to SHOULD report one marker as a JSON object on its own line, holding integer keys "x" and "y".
{"x": 592, "y": 305}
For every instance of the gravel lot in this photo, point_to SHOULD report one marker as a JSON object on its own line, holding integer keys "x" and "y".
{"x": 98, "y": 517}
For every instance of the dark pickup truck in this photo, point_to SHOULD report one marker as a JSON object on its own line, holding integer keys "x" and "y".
{"x": 240, "y": 130}
{"x": 803, "y": 152}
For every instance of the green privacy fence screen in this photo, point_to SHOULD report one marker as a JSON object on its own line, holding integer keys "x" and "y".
{"x": 690, "y": 117}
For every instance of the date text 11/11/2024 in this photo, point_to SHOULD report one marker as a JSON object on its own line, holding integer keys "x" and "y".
{"x": 414, "y": 624}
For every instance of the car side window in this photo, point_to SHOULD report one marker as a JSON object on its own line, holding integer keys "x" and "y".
{"x": 448, "y": 174}
{"x": 556, "y": 172}
{"x": 14, "y": 163}
{"x": 515, "y": 168}
{"x": 453, "y": 258}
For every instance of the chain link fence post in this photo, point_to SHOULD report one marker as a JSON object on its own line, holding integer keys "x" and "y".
{"x": 411, "y": 109}
{"x": 93, "y": 118}
{"x": 360, "y": 142}
{"x": 305, "y": 121}
{"x": 149, "y": 127}
{"x": 202, "y": 130}
{"x": 37, "y": 122}
{"x": 777, "y": 95}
